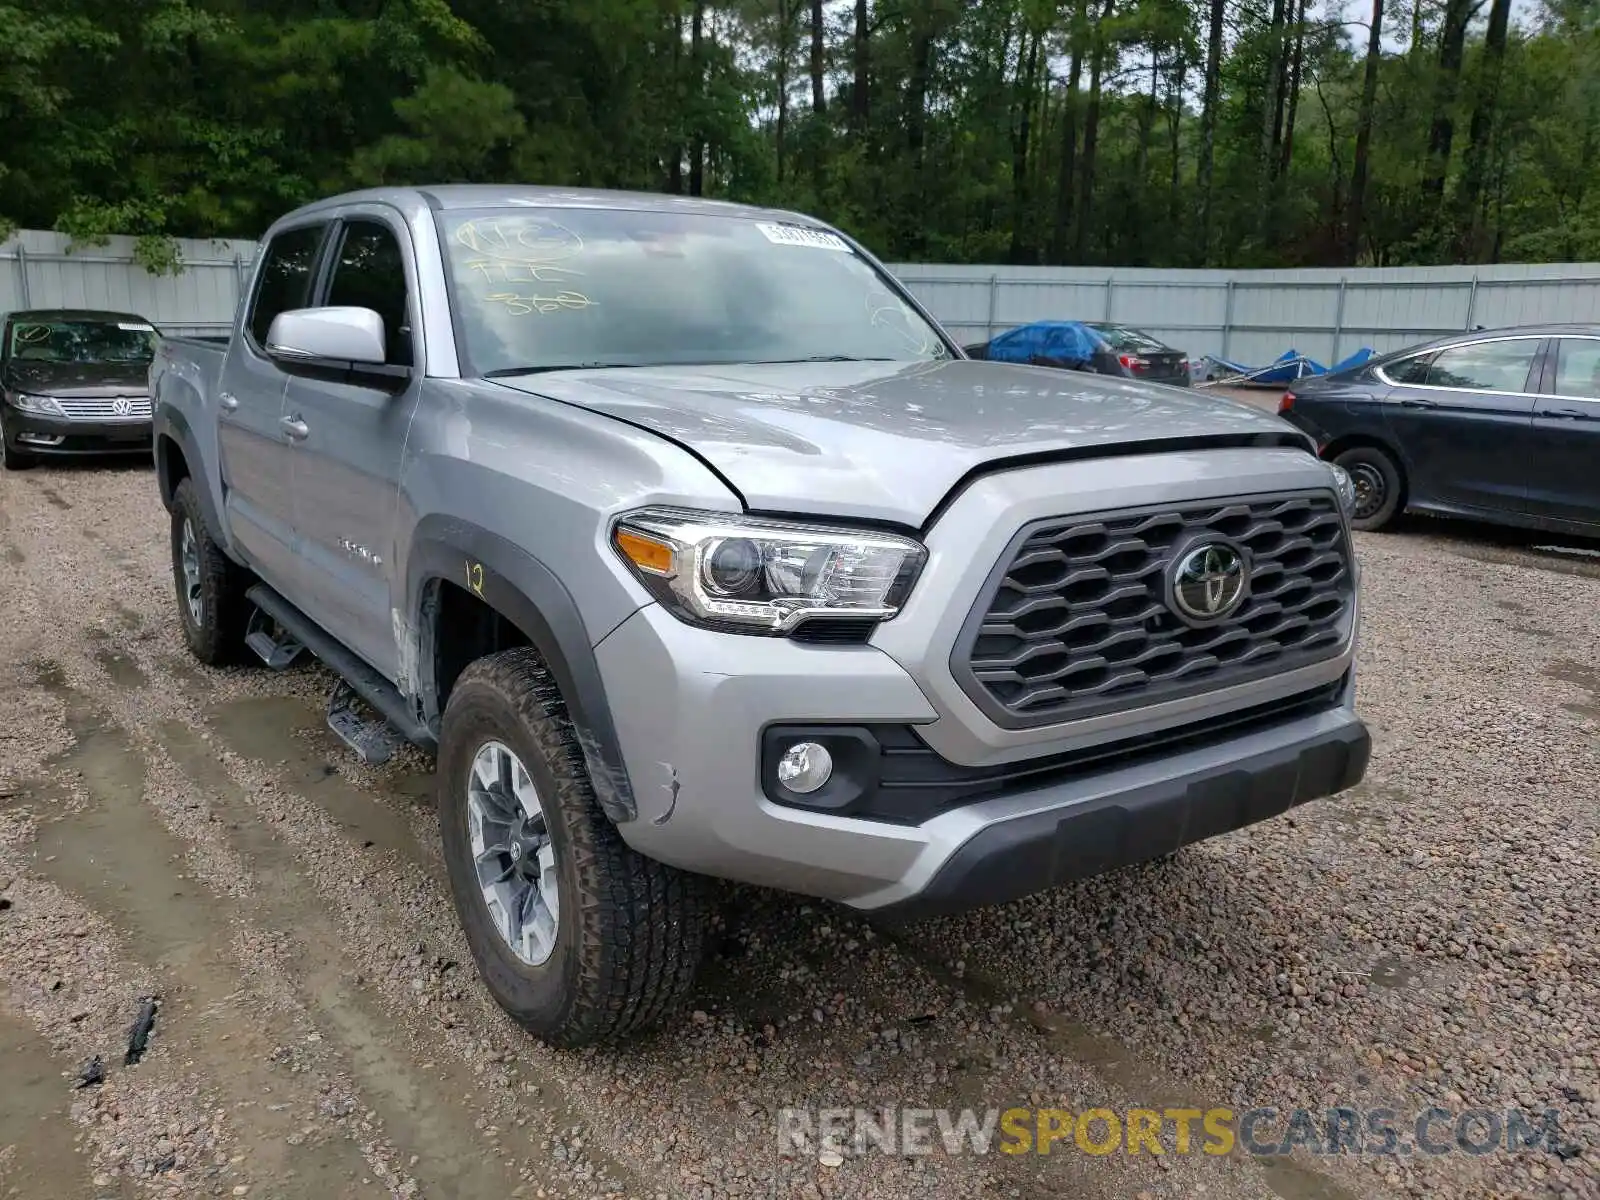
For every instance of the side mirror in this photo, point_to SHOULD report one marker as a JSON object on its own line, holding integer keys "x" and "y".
{"x": 341, "y": 344}
{"x": 348, "y": 334}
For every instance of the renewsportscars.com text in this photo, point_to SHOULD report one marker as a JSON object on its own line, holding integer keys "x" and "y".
{"x": 1261, "y": 1131}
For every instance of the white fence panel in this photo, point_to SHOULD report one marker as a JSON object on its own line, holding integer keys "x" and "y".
{"x": 1245, "y": 316}
{"x": 42, "y": 270}
{"x": 1251, "y": 317}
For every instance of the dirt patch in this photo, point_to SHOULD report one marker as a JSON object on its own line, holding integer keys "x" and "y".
{"x": 291, "y": 735}
{"x": 39, "y": 1154}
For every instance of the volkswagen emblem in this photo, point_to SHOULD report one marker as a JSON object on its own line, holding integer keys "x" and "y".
{"x": 122, "y": 406}
{"x": 1209, "y": 582}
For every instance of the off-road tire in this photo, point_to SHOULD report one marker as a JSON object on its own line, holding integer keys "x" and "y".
{"x": 12, "y": 459}
{"x": 218, "y": 637}
{"x": 630, "y": 929}
{"x": 1381, "y": 465}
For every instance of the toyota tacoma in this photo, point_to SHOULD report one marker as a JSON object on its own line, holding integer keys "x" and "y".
{"x": 690, "y": 545}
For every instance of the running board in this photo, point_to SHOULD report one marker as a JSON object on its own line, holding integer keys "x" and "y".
{"x": 272, "y": 643}
{"x": 372, "y": 738}
{"x": 397, "y": 723}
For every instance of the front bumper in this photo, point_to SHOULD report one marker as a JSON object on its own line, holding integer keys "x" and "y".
{"x": 1127, "y": 821}
{"x": 998, "y": 812}
{"x": 691, "y": 742}
{"x": 31, "y": 433}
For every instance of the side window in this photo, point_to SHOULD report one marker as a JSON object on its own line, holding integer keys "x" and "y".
{"x": 284, "y": 281}
{"x": 1578, "y": 368}
{"x": 1485, "y": 366}
{"x": 370, "y": 272}
{"x": 1410, "y": 370}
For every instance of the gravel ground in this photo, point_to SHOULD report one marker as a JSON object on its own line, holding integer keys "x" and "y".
{"x": 168, "y": 830}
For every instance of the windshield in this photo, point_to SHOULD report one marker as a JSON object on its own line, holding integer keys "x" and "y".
{"x": 580, "y": 287}
{"x": 1120, "y": 337}
{"x": 68, "y": 340}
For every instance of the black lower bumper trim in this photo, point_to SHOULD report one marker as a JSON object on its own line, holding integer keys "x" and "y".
{"x": 1029, "y": 854}
{"x": 77, "y": 436}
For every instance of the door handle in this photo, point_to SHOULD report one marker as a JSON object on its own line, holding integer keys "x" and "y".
{"x": 228, "y": 401}
{"x": 297, "y": 429}
{"x": 1417, "y": 402}
{"x": 1566, "y": 414}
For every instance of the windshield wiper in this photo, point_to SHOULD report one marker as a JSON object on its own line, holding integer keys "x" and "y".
{"x": 501, "y": 372}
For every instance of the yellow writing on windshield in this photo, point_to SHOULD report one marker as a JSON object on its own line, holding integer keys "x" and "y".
{"x": 523, "y": 250}
{"x": 524, "y": 305}
{"x": 527, "y": 239}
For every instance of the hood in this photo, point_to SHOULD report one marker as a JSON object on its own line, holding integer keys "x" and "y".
{"x": 77, "y": 379}
{"x": 888, "y": 441}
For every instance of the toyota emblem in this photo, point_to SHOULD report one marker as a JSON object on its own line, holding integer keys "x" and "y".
{"x": 1209, "y": 582}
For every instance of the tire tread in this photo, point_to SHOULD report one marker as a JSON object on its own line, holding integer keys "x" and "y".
{"x": 642, "y": 921}
{"x": 223, "y": 584}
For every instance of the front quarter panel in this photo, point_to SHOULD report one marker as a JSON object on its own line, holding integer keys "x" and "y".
{"x": 490, "y": 475}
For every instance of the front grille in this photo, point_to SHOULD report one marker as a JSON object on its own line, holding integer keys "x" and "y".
{"x": 104, "y": 408}
{"x": 1075, "y": 623}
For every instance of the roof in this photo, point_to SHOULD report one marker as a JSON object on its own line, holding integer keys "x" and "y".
{"x": 1550, "y": 330}
{"x": 458, "y": 196}
{"x": 1494, "y": 331}
{"x": 75, "y": 314}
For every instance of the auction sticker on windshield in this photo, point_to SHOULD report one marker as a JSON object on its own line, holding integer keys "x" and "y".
{"x": 798, "y": 235}
{"x": 135, "y": 327}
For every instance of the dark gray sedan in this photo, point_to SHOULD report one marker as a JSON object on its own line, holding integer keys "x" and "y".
{"x": 1501, "y": 425}
{"x": 73, "y": 382}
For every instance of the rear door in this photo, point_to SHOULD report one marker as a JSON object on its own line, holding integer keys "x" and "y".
{"x": 1565, "y": 483}
{"x": 1462, "y": 417}
{"x": 346, "y": 463}
{"x": 253, "y": 443}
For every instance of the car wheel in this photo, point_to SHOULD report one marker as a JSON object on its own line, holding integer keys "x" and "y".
{"x": 579, "y": 938}
{"x": 12, "y": 459}
{"x": 211, "y": 586}
{"x": 1380, "y": 488}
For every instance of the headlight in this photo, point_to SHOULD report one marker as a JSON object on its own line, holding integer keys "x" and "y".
{"x": 1345, "y": 486}
{"x": 752, "y": 575}
{"x": 42, "y": 405}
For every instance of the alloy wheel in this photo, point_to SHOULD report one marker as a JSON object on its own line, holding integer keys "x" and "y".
{"x": 512, "y": 853}
{"x": 189, "y": 561}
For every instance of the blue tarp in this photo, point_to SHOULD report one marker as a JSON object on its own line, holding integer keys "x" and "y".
{"x": 1286, "y": 368}
{"x": 1060, "y": 341}
{"x": 1355, "y": 360}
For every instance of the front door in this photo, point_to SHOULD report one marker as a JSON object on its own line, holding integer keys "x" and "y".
{"x": 254, "y": 446}
{"x": 347, "y": 458}
{"x": 1566, "y": 420}
{"x": 1463, "y": 419}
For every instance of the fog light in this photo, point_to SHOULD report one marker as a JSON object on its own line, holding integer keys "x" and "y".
{"x": 41, "y": 439}
{"x": 804, "y": 767}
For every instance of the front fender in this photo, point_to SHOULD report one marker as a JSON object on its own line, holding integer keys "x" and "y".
{"x": 528, "y": 594}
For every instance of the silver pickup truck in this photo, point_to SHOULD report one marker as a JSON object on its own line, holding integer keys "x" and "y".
{"x": 692, "y": 546}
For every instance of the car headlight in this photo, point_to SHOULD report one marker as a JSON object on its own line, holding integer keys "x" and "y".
{"x": 1345, "y": 486}
{"x": 43, "y": 405}
{"x": 753, "y": 575}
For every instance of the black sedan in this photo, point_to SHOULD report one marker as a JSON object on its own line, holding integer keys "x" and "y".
{"x": 73, "y": 382}
{"x": 1501, "y": 425}
{"x": 1098, "y": 346}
